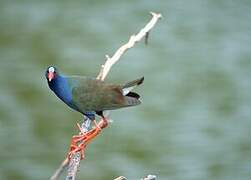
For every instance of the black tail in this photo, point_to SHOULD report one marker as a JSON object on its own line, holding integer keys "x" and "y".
{"x": 132, "y": 98}
{"x": 133, "y": 94}
{"x": 132, "y": 101}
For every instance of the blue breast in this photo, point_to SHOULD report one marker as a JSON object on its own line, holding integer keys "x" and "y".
{"x": 60, "y": 87}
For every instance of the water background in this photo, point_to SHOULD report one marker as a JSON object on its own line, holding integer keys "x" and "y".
{"x": 195, "y": 120}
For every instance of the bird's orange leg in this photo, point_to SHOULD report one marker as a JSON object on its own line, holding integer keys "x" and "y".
{"x": 79, "y": 142}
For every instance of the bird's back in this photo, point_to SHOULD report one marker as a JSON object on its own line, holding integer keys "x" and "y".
{"x": 89, "y": 94}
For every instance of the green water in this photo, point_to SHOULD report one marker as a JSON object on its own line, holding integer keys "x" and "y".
{"x": 195, "y": 120}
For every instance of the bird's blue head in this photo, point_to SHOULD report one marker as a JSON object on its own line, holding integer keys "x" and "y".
{"x": 51, "y": 73}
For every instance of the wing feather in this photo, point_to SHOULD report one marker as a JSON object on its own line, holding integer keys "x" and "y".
{"x": 95, "y": 95}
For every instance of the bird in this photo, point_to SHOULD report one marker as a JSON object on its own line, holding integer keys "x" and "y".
{"x": 90, "y": 96}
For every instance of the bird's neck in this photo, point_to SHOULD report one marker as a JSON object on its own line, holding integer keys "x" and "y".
{"x": 60, "y": 87}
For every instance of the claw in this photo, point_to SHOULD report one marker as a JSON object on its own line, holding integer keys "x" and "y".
{"x": 80, "y": 129}
{"x": 75, "y": 149}
{"x": 96, "y": 124}
{"x": 103, "y": 123}
{"x": 79, "y": 142}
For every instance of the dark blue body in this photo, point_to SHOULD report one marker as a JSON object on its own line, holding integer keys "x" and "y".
{"x": 61, "y": 87}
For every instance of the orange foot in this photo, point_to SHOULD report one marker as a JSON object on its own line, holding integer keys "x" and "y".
{"x": 79, "y": 142}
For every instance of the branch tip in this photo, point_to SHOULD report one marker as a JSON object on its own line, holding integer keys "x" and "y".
{"x": 120, "y": 178}
{"x": 158, "y": 15}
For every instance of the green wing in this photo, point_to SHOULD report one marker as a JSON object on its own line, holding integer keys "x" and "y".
{"x": 89, "y": 94}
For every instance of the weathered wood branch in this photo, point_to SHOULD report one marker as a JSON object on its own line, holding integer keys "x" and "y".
{"x": 105, "y": 68}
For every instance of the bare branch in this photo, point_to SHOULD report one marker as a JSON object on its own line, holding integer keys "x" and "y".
{"x": 60, "y": 170}
{"x": 73, "y": 166}
{"x": 76, "y": 157}
{"x": 75, "y": 160}
{"x": 120, "y": 178}
{"x": 133, "y": 39}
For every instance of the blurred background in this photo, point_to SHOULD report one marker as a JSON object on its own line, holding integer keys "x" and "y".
{"x": 195, "y": 119}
